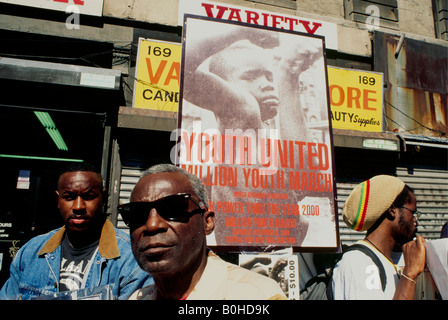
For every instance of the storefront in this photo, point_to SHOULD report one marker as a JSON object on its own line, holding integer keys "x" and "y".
{"x": 52, "y": 114}
{"x": 422, "y": 165}
{"x": 63, "y": 101}
{"x": 383, "y": 140}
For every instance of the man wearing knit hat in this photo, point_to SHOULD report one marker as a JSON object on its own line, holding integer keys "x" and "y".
{"x": 387, "y": 209}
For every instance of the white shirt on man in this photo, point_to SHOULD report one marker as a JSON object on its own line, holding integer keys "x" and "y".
{"x": 356, "y": 277}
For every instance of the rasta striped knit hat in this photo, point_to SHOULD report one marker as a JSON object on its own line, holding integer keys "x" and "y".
{"x": 369, "y": 200}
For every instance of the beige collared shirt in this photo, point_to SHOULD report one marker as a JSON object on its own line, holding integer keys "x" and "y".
{"x": 224, "y": 281}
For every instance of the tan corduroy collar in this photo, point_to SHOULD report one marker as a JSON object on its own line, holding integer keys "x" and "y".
{"x": 108, "y": 247}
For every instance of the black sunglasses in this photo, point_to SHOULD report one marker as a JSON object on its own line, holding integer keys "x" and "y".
{"x": 170, "y": 208}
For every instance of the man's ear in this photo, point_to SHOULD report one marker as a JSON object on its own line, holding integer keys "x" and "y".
{"x": 57, "y": 198}
{"x": 392, "y": 213}
{"x": 209, "y": 222}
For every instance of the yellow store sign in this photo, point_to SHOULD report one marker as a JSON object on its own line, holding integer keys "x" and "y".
{"x": 157, "y": 75}
{"x": 356, "y": 99}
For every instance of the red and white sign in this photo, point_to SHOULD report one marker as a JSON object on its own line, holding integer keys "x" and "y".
{"x": 94, "y": 8}
{"x": 260, "y": 17}
{"x": 254, "y": 126}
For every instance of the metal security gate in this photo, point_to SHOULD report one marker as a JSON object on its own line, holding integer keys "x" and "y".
{"x": 431, "y": 190}
{"x": 129, "y": 178}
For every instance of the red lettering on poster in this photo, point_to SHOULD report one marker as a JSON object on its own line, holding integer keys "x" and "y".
{"x": 208, "y": 10}
{"x": 235, "y": 14}
{"x": 154, "y": 78}
{"x": 276, "y": 20}
{"x": 291, "y": 22}
{"x": 333, "y": 96}
{"x": 366, "y": 99}
{"x": 188, "y": 144}
{"x": 173, "y": 73}
{"x": 268, "y": 20}
{"x": 310, "y": 181}
{"x": 306, "y": 25}
{"x": 355, "y": 97}
{"x": 252, "y": 17}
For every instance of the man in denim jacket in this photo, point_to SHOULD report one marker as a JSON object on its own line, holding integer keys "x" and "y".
{"x": 87, "y": 252}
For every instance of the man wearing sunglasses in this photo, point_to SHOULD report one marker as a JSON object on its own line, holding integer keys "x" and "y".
{"x": 87, "y": 256}
{"x": 169, "y": 221}
{"x": 386, "y": 208}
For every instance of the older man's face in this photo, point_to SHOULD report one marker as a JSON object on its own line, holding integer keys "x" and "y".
{"x": 164, "y": 247}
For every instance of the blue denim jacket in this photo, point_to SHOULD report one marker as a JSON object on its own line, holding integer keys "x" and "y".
{"x": 35, "y": 269}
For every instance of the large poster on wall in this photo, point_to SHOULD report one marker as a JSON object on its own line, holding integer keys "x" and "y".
{"x": 254, "y": 126}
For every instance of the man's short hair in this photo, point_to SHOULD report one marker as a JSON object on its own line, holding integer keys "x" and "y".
{"x": 196, "y": 183}
{"x": 83, "y": 167}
